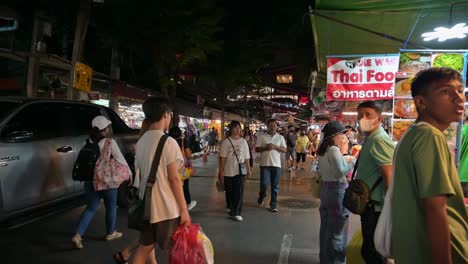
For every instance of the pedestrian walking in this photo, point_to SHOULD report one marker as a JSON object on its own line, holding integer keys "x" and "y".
{"x": 106, "y": 182}
{"x": 233, "y": 167}
{"x": 270, "y": 145}
{"x": 248, "y": 136}
{"x": 302, "y": 149}
{"x": 123, "y": 255}
{"x": 374, "y": 167}
{"x": 168, "y": 209}
{"x": 429, "y": 218}
{"x": 334, "y": 217}
{"x": 291, "y": 138}
{"x": 184, "y": 144}
{"x": 213, "y": 140}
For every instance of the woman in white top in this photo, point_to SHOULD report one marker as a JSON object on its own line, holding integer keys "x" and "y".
{"x": 334, "y": 217}
{"x": 234, "y": 150}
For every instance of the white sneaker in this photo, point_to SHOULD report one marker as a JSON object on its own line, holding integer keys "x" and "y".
{"x": 115, "y": 235}
{"x": 238, "y": 218}
{"x": 191, "y": 205}
{"x": 76, "y": 239}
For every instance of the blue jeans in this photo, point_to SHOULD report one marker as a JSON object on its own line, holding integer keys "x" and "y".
{"x": 334, "y": 221}
{"x": 269, "y": 174}
{"x": 93, "y": 199}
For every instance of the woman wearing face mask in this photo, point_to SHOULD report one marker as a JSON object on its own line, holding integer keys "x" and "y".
{"x": 334, "y": 217}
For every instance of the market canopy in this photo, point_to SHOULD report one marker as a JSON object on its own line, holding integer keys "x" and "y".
{"x": 381, "y": 26}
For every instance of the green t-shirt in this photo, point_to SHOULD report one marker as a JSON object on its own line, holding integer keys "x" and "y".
{"x": 424, "y": 167}
{"x": 376, "y": 151}
{"x": 464, "y": 155}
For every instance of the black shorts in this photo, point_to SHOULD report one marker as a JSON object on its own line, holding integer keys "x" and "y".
{"x": 299, "y": 155}
{"x": 159, "y": 233}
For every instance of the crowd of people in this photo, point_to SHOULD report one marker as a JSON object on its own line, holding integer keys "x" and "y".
{"x": 430, "y": 221}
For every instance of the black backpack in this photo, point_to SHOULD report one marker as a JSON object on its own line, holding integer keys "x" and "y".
{"x": 83, "y": 169}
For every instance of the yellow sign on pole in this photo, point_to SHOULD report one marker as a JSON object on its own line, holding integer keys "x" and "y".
{"x": 82, "y": 77}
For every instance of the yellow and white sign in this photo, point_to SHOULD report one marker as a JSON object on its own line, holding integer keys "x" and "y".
{"x": 82, "y": 77}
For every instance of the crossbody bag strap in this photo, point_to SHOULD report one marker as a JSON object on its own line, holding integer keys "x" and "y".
{"x": 152, "y": 176}
{"x": 355, "y": 167}
{"x": 234, "y": 149}
{"x": 379, "y": 180}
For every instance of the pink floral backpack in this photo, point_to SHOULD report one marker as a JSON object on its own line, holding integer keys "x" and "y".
{"x": 108, "y": 172}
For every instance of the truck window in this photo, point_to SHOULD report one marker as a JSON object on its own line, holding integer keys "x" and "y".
{"x": 45, "y": 120}
{"x": 118, "y": 125}
{"x": 6, "y": 107}
{"x": 82, "y": 116}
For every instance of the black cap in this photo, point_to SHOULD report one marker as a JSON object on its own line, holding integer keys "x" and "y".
{"x": 333, "y": 128}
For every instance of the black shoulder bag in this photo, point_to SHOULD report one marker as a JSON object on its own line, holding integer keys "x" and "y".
{"x": 139, "y": 211}
{"x": 357, "y": 195}
{"x": 242, "y": 166}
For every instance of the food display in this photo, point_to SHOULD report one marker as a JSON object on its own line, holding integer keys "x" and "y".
{"x": 403, "y": 88}
{"x": 399, "y": 128}
{"x": 405, "y": 108}
{"x": 450, "y": 60}
{"x": 412, "y": 63}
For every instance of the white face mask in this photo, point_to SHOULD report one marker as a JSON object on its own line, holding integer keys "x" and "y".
{"x": 367, "y": 125}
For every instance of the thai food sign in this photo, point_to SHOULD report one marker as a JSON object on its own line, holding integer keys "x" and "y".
{"x": 361, "y": 78}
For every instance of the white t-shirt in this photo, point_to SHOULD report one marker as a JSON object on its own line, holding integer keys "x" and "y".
{"x": 271, "y": 157}
{"x": 163, "y": 202}
{"x": 231, "y": 166}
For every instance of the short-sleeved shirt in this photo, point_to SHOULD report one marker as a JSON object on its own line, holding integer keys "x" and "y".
{"x": 376, "y": 151}
{"x": 464, "y": 155}
{"x": 301, "y": 143}
{"x": 271, "y": 157}
{"x": 163, "y": 202}
{"x": 424, "y": 167}
{"x": 291, "y": 140}
{"x": 231, "y": 166}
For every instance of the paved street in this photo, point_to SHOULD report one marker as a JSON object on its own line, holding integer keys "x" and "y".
{"x": 290, "y": 236}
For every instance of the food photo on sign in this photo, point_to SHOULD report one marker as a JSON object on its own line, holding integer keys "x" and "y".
{"x": 412, "y": 63}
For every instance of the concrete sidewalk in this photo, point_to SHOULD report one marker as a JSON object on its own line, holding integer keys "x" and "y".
{"x": 289, "y": 236}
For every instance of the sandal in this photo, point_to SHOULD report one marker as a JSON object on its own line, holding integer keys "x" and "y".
{"x": 119, "y": 258}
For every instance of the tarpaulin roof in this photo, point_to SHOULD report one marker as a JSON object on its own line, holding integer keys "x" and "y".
{"x": 381, "y": 26}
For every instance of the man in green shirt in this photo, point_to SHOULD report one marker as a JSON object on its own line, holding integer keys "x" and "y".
{"x": 374, "y": 167}
{"x": 429, "y": 218}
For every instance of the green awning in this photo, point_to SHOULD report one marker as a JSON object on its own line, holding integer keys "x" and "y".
{"x": 380, "y": 26}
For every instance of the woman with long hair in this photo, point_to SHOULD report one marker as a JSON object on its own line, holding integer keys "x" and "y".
{"x": 334, "y": 217}
{"x": 184, "y": 145}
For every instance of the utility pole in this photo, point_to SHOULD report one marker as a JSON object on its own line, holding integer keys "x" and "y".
{"x": 82, "y": 20}
{"x": 33, "y": 64}
{"x": 115, "y": 75}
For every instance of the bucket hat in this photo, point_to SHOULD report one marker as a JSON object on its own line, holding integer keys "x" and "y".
{"x": 333, "y": 128}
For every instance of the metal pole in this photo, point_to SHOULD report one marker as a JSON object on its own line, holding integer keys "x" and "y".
{"x": 33, "y": 64}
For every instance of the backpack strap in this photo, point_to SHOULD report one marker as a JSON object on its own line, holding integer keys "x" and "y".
{"x": 152, "y": 176}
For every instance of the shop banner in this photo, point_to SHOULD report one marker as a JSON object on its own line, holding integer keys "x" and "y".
{"x": 364, "y": 78}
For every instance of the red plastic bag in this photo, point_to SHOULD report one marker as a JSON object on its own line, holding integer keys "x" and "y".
{"x": 187, "y": 249}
